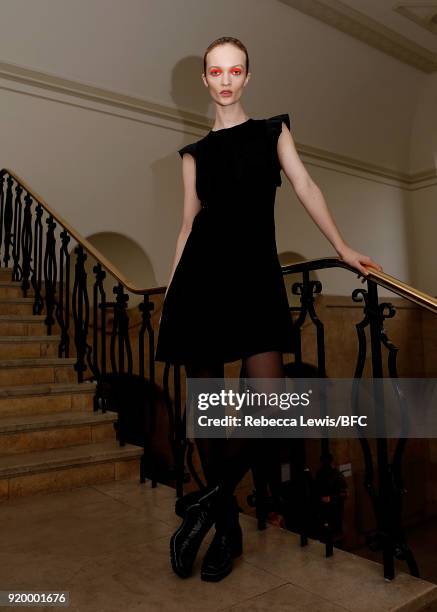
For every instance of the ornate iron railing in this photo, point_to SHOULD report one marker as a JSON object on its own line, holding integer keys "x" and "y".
{"x": 42, "y": 260}
{"x": 387, "y": 494}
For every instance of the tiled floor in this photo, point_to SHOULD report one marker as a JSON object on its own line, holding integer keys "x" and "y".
{"x": 422, "y": 539}
{"x": 108, "y": 546}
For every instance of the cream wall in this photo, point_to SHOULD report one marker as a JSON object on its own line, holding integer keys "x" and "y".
{"x": 423, "y": 146}
{"x": 107, "y": 169}
{"x": 421, "y": 220}
{"x": 422, "y": 203}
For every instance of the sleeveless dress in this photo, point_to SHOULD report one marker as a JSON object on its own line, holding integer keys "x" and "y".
{"x": 227, "y": 299}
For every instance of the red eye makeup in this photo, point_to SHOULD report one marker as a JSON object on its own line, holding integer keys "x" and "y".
{"x": 217, "y": 71}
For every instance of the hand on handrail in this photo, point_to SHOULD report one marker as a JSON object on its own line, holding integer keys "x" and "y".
{"x": 359, "y": 261}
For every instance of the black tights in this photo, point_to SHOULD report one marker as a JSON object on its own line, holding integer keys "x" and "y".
{"x": 226, "y": 461}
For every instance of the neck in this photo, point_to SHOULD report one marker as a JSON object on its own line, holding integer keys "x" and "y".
{"x": 228, "y": 117}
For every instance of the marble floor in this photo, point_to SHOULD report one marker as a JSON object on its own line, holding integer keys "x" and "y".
{"x": 422, "y": 539}
{"x": 108, "y": 545}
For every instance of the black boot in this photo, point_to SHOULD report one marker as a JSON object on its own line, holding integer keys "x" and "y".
{"x": 226, "y": 545}
{"x": 187, "y": 500}
{"x": 185, "y": 542}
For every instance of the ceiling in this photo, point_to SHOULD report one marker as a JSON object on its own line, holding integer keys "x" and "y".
{"x": 405, "y": 30}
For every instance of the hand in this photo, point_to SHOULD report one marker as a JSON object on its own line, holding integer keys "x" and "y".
{"x": 356, "y": 259}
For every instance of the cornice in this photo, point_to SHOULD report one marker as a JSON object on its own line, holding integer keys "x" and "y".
{"x": 66, "y": 91}
{"x": 350, "y": 21}
{"x": 360, "y": 168}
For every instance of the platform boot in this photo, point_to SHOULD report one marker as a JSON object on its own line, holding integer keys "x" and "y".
{"x": 199, "y": 518}
{"x": 226, "y": 545}
{"x": 182, "y": 503}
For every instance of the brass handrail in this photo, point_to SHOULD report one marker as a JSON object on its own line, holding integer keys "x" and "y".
{"x": 84, "y": 242}
{"x": 381, "y": 278}
{"x": 403, "y": 289}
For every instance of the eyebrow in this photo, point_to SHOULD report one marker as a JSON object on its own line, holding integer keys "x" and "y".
{"x": 233, "y": 66}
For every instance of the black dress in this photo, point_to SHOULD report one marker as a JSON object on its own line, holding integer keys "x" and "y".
{"x": 227, "y": 298}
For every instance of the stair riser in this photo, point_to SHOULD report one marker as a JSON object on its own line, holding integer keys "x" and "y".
{"x": 23, "y": 329}
{"x": 45, "y": 404}
{"x": 15, "y": 292}
{"x": 6, "y": 273}
{"x": 46, "y": 439}
{"x": 15, "y": 350}
{"x": 32, "y": 375}
{"x": 16, "y": 309}
{"x": 68, "y": 478}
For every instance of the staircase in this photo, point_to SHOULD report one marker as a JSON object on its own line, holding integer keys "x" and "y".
{"x": 51, "y": 439}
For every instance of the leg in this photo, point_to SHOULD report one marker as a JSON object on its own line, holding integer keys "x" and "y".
{"x": 210, "y": 450}
{"x": 243, "y": 453}
{"x": 266, "y": 456}
{"x": 199, "y": 509}
{"x": 239, "y": 456}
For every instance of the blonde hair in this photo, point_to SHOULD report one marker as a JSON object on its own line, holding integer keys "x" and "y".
{"x": 221, "y": 41}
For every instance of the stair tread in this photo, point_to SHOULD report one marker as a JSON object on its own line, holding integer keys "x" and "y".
{"x": 45, "y": 338}
{"x": 16, "y": 300}
{"x": 37, "y": 361}
{"x": 43, "y": 421}
{"x": 22, "y": 318}
{"x": 97, "y": 452}
{"x": 48, "y": 388}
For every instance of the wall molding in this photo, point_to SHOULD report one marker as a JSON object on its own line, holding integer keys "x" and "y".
{"x": 350, "y": 21}
{"x": 74, "y": 93}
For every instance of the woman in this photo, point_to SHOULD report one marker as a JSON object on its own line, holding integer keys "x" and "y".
{"x": 226, "y": 298}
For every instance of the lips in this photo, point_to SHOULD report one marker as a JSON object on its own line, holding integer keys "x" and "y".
{"x": 226, "y": 92}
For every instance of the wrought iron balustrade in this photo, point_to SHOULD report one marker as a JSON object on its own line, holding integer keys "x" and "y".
{"x": 35, "y": 243}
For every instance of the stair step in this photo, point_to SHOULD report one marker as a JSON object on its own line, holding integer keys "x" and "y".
{"x": 10, "y": 284}
{"x": 23, "y": 325}
{"x": 16, "y": 305}
{"x": 29, "y": 346}
{"x": 38, "y": 432}
{"x": 65, "y": 468}
{"x": 41, "y": 369}
{"x": 37, "y": 362}
{"x": 22, "y": 317}
{"x": 67, "y": 418}
{"x": 17, "y": 339}
{"x": 13, "y": 288}
{"x": 47, "y": 388}
{"x": 6, "y": 274}
{"x": 23, "y": 463}
{"x": 42, "y": 398}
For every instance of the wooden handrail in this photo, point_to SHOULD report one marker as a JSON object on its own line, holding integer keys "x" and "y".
{"x": 381, "y": 278}
{"x": 85, "y": 243}
{"x": 410, "y": 293}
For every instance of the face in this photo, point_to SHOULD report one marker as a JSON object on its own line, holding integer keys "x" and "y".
{"x": 226, "y": 72}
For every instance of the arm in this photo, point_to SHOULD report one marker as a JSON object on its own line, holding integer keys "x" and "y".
{"x": 191, "y": 208}
{"x": 312, "y": 198}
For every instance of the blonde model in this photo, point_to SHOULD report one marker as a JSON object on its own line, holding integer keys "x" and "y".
{"x": 226, "y": 299}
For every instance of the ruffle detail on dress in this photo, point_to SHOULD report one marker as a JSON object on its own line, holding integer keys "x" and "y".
{"x": 189, "y": 148}
{"x": 274, "y": 125}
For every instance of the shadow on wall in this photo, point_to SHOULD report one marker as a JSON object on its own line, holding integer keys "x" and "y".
{"x": 161, "y": 144}
{"x": 126, "y": 255}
